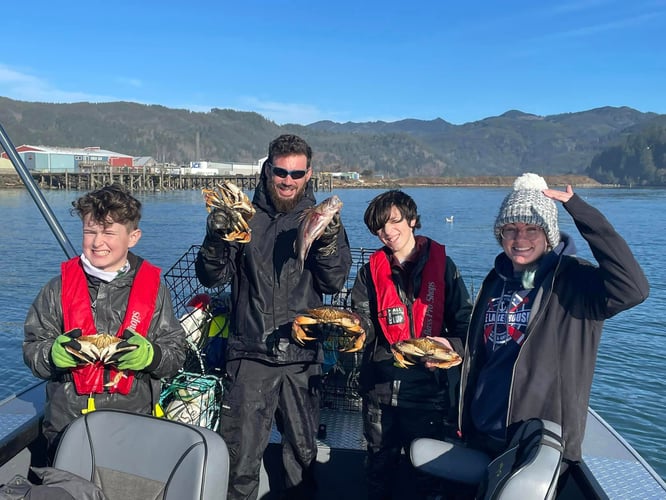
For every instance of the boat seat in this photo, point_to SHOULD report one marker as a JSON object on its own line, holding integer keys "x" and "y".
{"x": 528, "y": 469}
{"x": 132, "y": 456}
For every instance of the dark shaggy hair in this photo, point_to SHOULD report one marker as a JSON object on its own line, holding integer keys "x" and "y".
{"x": 108, "y": 205}
{"x": 378, "y": 212}
{"x": 289, "y": 144}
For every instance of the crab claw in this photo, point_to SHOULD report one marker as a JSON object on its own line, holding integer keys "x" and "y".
{"x": 110, "y": 354}
{"x": 299, "y": 334}
{"x": 400, "y": 360}
{"x": 117, "y": 378}
{"x": 85, "y": 351}
{"x": 433, "y": 361}
{"x": 358, "y": 344}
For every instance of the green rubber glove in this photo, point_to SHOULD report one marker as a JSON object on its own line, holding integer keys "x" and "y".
{"x": 139, "y": 358}
{"x": 61, "y": 358}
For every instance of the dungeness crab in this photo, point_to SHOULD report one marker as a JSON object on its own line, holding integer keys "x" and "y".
{"x": 349, "y": 322}
{"x": 409, "y": 352}
{"x": 227, "y": 194}
{"x": 100, "y": 347}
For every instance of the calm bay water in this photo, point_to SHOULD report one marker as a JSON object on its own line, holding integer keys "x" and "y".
{"x": 629, "y": 387}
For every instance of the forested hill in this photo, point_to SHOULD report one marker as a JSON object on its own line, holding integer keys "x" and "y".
{"x": 509, "y": 144}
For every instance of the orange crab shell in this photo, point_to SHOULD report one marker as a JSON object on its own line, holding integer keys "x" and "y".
{"x": 227, "y": 194}
{"x": 408, "y": 352}
{"x": 349, "y": 321}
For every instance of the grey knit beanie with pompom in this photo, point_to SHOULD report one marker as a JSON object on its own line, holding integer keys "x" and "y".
{"x": 527, "y": 204}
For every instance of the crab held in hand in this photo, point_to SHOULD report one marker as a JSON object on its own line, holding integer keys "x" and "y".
{"x": 98, "y": 348}
{"x": 424, "y": 350}
{"x": 349, "y": 322}
{"x": 236, "y": 204}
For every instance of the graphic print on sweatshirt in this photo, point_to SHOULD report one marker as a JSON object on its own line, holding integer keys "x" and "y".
{"x": 506, "y": 318}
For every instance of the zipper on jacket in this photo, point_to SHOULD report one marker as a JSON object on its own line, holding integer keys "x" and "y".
{"x": 534, "y": 319}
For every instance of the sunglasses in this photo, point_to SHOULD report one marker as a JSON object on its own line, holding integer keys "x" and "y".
{"x": 283, "y": 173}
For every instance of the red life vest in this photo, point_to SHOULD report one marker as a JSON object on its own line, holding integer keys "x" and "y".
{"x": 426, "y": 314}
{"x": 77, "y": 313}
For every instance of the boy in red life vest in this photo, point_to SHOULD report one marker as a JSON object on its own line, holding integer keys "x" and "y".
{"x": 106, "y": 290}
{"x": 409, "y": 288}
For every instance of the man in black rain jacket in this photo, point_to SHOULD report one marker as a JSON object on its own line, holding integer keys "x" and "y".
{"x": 268, "y": 374}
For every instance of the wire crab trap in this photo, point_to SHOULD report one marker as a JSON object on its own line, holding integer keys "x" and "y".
{"x": 341, "y": 368}
{"x": 195, "y": 306}
{"x": 340, "y": 387}
{"x": 194, "y": 399}
{"x": 181, "y": 279}
{"x": 343, "y": 297}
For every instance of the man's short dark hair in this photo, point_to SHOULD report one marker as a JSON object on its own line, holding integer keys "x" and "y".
{"x": 289, "y": 144}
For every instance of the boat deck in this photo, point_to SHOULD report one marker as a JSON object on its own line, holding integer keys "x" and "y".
{"x": 618, "y": 471}
{"x": 618, "y": 468}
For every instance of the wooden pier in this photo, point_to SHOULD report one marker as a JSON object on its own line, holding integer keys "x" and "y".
{"x": 146, "y": 181}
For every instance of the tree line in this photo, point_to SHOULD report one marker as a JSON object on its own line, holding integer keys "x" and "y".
{"x": 640, "y": 160}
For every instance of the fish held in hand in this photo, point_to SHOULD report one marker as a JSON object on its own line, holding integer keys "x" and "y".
{"x": 313, "y": 224}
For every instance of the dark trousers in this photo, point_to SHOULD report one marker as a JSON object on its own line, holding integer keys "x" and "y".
{"x": 254, "y": 394}
{"x": 389, "y": 430}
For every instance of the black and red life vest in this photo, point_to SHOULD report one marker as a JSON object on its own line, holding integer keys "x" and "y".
{"x": 77, "y": 313}
{"x": 426, "y": 313}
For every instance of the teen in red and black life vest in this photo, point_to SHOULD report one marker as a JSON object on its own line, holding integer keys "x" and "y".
{"x": 100, "y": 287}
{"x": 409, "y": 288}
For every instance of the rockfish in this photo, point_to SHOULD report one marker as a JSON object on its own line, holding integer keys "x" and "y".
{"x": 312, "y": 225}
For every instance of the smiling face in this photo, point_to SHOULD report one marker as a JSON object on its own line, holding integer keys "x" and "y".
{"x": 524, "y": 244}
{"x": 106, "y": 246}
{"x": 287, "y": 191}
{"x": 398, "y": 234}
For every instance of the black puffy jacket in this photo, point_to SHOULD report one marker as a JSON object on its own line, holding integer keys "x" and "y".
{"x": 44, "y": 322}
{"x": 268, "y": 289}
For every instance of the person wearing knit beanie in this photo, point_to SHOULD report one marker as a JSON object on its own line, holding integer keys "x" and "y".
{"x": 537, "y": 322}
{"x": 527, "y": 204}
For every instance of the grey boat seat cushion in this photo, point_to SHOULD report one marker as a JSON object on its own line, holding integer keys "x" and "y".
{"x": 527, "y": 470}
{"x": 131, "y": 456}
{"x": 449, "y": 460}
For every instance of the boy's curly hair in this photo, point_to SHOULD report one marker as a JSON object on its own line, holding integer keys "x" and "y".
{"x": 109, "y": 204}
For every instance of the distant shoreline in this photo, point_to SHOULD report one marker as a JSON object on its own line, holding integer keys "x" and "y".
{"x": 11, "y": 180}
{"x": 471, "y": 181}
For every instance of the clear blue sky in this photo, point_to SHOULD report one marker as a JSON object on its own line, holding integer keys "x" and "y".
{"x": 306, "y": 60}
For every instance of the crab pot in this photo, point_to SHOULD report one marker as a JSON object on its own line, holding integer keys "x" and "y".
{"x": 340, "y": 383}
{"x": 181, "y": 279}
{"x": 194, "y": 399}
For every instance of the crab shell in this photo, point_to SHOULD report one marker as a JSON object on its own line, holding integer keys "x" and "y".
{"x": 98, "y": 348}
{"x": 407, "y": 352}
{"x": 349, "y": 322}
{"x": 227, "y": 194}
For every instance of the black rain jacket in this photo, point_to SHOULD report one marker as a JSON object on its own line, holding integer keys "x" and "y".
{"x": 268, "y": 288}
